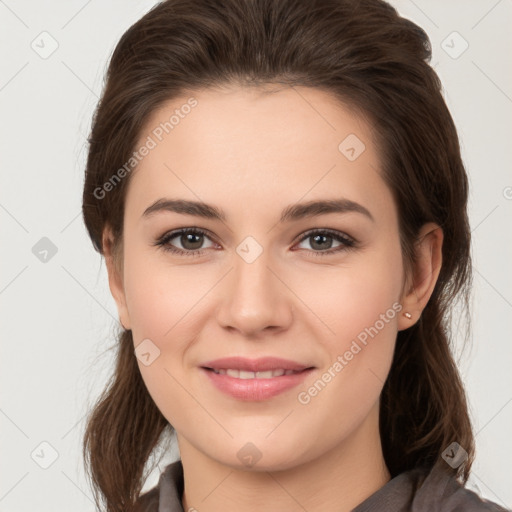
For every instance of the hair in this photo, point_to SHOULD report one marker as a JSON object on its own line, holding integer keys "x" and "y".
{"x": 370, "y": 59}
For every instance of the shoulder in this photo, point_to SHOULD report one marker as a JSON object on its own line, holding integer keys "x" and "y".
{"x": 148, "y": 502}
{"x": 168, "y": 491}
{"x": 426, "y": 490}
{"x": 439, "y": 490}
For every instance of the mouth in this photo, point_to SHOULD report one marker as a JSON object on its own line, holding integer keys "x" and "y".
{"x": 254, "y": 380}
{"x": 244, "y": 374}
{"x": 261, "y": 364}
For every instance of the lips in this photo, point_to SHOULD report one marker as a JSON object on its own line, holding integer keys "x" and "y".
{"x": 262, "y": 364}
{"x": 255, "y": 379}
{"x": 244, "y": 374}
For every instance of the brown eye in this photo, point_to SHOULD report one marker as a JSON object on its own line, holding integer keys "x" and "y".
{"x": 185, "y": 241}
{"x": 191, "y": 241}
{"x": 321, "y": 241}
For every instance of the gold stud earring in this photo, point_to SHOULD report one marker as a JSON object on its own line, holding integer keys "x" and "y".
{"x": 408, "y": 315}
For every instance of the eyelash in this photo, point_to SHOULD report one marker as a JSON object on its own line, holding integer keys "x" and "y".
{"x": 348, "y": 243}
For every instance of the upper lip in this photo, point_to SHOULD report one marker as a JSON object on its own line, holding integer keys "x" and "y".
{"x": 254, "y": 365}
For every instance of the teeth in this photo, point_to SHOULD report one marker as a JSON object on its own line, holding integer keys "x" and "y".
{"x": 267, "y": 374}
{"x": 243, "y": 374}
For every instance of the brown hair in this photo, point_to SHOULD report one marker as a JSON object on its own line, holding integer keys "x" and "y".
{"x": 371, "y": 59}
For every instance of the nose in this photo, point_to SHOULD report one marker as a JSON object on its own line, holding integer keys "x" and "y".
{"x": 255, "y": 298}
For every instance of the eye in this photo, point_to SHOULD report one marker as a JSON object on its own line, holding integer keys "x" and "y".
{"x": 190, "y": 239}
{"x": 322, "y": 239}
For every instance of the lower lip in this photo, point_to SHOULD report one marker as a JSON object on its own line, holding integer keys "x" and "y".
{"x": 255, "y": 389}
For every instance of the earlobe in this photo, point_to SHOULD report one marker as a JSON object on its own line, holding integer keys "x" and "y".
{"x": 428, "y": 264}
{"x": 115, "y": 278}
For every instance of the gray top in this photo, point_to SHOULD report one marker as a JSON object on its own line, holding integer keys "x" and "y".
{"x": 408, "y": 492}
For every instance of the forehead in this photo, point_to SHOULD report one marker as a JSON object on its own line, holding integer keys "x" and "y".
{"x": 258, "y": 145}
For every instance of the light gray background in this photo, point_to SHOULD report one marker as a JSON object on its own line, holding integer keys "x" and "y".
{"x": 58, "y": 316}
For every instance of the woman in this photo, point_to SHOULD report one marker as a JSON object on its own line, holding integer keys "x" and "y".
{"x": 278, "y": 192}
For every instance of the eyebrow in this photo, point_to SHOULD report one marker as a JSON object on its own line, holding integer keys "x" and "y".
{"x": 290, "y": 213}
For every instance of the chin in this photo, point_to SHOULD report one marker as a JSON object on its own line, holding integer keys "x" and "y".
{"x": 259, "y": 456}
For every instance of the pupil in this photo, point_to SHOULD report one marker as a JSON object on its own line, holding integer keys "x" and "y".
{"x": 317, "y": 237}
{"x": 189, "y": 238}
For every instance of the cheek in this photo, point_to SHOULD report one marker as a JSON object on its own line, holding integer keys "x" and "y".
{"x": 161, "y": 298}
{"x": 352, "y": 296}
{"x": 340, "y": 396}
{"x": 164, "y": 303}
{"x": 360, "y": 306}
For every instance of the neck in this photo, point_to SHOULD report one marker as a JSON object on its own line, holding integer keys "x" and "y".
{"x": 337, "y": 480}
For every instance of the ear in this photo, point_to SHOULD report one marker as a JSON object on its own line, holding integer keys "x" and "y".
{"x": 113, "y": 260}
{"x": 421, "y": 283}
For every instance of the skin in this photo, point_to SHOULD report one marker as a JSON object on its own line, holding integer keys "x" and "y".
{"x": 253, "y": 154}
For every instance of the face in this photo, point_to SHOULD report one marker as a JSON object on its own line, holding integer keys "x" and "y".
{"x": 269, "y": 278}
